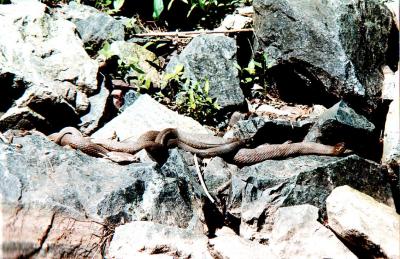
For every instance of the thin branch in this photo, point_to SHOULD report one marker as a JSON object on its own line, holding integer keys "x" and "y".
{"x": 185, "y": 34}
{"x": 202, "y": 180}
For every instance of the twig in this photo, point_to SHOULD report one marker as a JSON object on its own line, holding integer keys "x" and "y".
{"x": 224, "y": 186}
{"x": 185, "y": 34}
{"x": 202, "y": 180}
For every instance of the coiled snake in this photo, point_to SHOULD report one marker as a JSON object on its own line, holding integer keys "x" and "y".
{"x": 157, "y": 142}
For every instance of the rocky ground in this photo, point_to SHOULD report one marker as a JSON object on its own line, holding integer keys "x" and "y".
{"x": 329, "y": 75}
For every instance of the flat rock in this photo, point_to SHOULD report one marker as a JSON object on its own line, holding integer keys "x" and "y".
{"x": 142, "y": 239}
{"x": 227, "y": 244}
{"x": 371, "y": 228}
{"x": 296, "y": 232}
{"x": 259, "y": 190}
{"x": 147, "y": 114}
{"x": 212, "y": 57}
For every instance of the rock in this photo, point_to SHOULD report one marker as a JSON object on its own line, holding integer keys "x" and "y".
{"x": 97, "y": 111}
{"x": 296, "y": 232}
{"x": 141, "y": 239}
{"x": 132, "y": 54}
{"x": 227, "y": 244}
{"x": 32, "y": 230}
{"x": 341, "y": 123}
{"x": 43, "y": 68}
{"x": 391, "y": 137}
{"x": 212, "y": 58}
{"x": 93, "y": 26}
{"x": 217, "y": 174}
{"x": 269, "y": 130}
{"x": 257, "y": 191}
{"x": 366, "y": 225}
{"x": 235, "y": 22}
{"x": 326, "y": 49}
{"x": 72, "y": 185}
{"x": 143, "y": 115}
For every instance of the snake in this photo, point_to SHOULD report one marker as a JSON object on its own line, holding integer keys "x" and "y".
{"x": 205, "y": 146}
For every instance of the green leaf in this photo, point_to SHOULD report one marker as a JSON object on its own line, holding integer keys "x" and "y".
{"x": 170, "y": 4}
{"x": 158, "y": 7}
{"x": 191, "y": 9}
{"x": 202, "y": 4}
{"x": 178, "y": 68}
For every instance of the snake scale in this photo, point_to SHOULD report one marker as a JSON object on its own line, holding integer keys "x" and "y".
{"x": 158, "y": 142}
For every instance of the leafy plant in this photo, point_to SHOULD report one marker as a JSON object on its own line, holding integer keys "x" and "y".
{"x": 190, "y": 98}
{"x": 204, "y": 5}
{"x": 128, "y": 70}
{"x": 251, "y": 76}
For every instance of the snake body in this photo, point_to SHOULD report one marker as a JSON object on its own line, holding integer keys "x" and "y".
{"x": 157, "y": 142}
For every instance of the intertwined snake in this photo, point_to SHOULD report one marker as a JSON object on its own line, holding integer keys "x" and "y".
{"x": 157, "y": 142}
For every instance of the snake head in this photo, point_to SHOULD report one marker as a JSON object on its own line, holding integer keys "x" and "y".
{"x": 341, "y": 149}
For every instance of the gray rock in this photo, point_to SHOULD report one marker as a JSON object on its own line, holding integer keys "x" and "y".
{"x": 44, "y": 68}
{"x": 92, "y": 25}
{"x": 258, "y": 191}
{"x": 341, "y": 123}
{"x": 297, "y": 233}
{"x": 97, "y": 111}
{"x": 269, "y": 130}
{"x": 367, "y": 226}
{"x": 217, "y": 173}
{"x": 143, "y": 115}
{"x": 321, "y": 50}
{"x": 212, "y": 58}
{"x": 144, "y": 239}
{"x": 70, "y": 183}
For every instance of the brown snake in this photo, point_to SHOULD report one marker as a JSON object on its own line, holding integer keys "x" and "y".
{"x": 157, "y": 142}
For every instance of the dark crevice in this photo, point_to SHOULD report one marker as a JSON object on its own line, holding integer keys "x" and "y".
{"x": 294, "y": 82}
{"x": 11, "y": 90}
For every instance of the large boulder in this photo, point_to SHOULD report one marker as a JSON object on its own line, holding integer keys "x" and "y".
{"x": 45, "y": 73}
{"x": 296, "y": 231}
{"x": 45, "y": 181}
{"x": 259, "y": 190}
{"x": 212, "y": 58}
{"x": 366, "y": 225}
{"x": 323, "y": 50}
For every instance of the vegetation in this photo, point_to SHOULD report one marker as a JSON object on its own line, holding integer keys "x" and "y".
{"x": 191, "y": 98}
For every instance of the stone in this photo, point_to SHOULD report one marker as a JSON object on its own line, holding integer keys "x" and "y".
{"x": 257, "y": 191}
{"x": 93, "y": 26}
{"x": 45, "y": 71}
{"x": 369, "y": 227}
{"x": 296, "y": 232}
{"x": 235, "y": 22}
{"x": 57, "y": 182}
{"x": 391, "y": 136}
{"x": 143, "y": 115}
{"x": 341, "y": 123}
{"x": 217, "y": 173}
{"x": 141, "y": 239}
{"x": 213, "y": 58}
{"x": 97, "y": 111}
{"x": 322, "y": 51}
{"x": 270, "y": 130}
{"x": 132, "y": 54}
{"x": 227, "y": 244}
